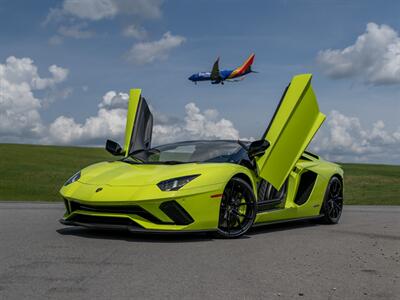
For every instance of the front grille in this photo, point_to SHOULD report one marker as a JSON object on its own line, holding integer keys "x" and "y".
{"x": 117, "y": 209}
{"x": 86, "y": 219}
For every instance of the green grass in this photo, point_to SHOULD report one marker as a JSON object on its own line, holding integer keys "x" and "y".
{"x": 30, "y": 172}
{"x": 372, "y": 184}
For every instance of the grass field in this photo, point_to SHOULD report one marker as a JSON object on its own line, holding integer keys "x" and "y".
{"x": 30, "y": 172}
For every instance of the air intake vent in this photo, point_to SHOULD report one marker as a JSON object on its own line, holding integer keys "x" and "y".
{"x": 176, "y": 212}
{"x": 306, "y": 185}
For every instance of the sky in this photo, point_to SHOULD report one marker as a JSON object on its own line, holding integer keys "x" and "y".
{"x": 66, "y": 68}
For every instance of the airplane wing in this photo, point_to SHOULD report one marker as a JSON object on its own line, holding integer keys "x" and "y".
{"x": 215, "y": 76}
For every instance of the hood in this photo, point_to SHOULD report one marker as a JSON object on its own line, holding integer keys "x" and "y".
{"x": 118, "y": 173}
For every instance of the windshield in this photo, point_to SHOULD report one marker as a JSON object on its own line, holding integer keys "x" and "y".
{"x": 192, "y": 151}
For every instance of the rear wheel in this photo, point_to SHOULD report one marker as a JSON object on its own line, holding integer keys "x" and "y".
{"x": 333, "y": 202}
{"x": 238, "y": 209}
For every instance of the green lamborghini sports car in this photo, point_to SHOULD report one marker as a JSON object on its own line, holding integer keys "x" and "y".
{"x": 224, "y": 186}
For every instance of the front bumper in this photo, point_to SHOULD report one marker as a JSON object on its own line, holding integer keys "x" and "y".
{"x": 177, "y": 211}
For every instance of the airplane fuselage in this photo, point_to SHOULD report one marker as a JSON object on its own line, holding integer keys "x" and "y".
{"x": 216, "y": 76}
{"x": 224, "y": 75}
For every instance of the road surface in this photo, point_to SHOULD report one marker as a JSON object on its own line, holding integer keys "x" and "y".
{"x": 356, "y": 259}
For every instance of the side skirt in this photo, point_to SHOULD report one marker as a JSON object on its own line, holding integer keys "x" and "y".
{"x": 287, "y": 221}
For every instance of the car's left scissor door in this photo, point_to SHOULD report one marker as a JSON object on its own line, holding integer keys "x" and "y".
{"x": 139, "y": 124}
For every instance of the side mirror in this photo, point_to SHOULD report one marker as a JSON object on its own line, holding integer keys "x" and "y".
{"x": 257, "y": 148}
{"x": 114, "y": 148}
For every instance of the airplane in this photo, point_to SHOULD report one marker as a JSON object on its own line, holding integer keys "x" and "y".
{"x": 216, "y": 76}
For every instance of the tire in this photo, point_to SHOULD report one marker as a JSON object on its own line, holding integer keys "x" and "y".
{"x": 237, "y": 210}
{"x": 332, "y": 206}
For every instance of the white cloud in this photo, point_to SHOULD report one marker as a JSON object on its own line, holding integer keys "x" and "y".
{"x": 150, "y": 9}
{"x": 196, "y": 125}
{"x": 20, "y": 119}
{"x": 19, "y": 107}
{"x": 112, "y": 100}
{"x": 90, "y": 9}
{"x": 22, "y": 70}
{"x": 148, "y": 52}
{"x": 95, "y": 10}
{"x": 345, "y": 139}
{"x": 374, "y": 57}
{"x": 207, "y": 124}
{"x": 77, "y": 31}
{"x": 110, "y": 123}
{"x": 134, "y": 31}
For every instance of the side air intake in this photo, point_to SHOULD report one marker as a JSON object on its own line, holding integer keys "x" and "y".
{"x": 306, "y": 185}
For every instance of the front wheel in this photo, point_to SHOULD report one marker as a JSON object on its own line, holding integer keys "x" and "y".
{"x": 237, "y": 210}
{"x": 333, "y": 202}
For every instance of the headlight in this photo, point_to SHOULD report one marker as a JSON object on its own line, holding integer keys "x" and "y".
{"x": 74, "y": 178}
{"x": 175, "y": 184}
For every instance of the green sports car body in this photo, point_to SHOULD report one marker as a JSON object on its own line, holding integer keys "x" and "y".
{"x": 222, "y": 186}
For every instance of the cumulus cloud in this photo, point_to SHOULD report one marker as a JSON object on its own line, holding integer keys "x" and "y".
{"x": 148, "y": 52}
{"x": 20, "y": 119}
{"x": 90, "y": 9}
{"x": 111, "y": 117}
{"x": 19, "y": 107}
{"x": 134, "y": 31}
{"x": 108, "y": 123}
{"x": 345, "y": 139}
{"x": 150, "y": 9}
{"x": 71, "y": 13}
{"x": 374, "y": 57}
{"x": 22, "y": 70}
{"x": 95, "y": 10}
{"x": 196, "y": 125}
{"x": 112, "y": 100}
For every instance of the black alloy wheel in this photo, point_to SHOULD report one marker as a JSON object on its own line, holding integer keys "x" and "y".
{"x": 333, "y": 203}
{"x": 237, "y": 210}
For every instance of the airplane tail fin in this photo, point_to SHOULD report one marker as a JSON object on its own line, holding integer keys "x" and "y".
{"x": 246, "y": 66}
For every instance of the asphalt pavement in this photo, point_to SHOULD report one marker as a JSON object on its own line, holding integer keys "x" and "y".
{"x": 356, "y": 259}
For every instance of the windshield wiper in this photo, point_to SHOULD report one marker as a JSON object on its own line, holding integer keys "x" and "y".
{"x": 137, "y": 152}
{"x": 241, "y": 143}
{"x": 133, "y": 154}
{"x": 134, "y": 160}
{"x": 140, "y": 162}
{"x": 152, "y": 151}
{"x": 173, "y": 162}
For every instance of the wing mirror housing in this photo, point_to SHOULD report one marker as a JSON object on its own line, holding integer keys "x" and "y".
{"x": 114, "y": 148}
{"x": 257, "y": 148}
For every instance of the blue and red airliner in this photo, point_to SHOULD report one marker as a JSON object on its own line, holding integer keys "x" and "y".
{"x": 216, "y": 76}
